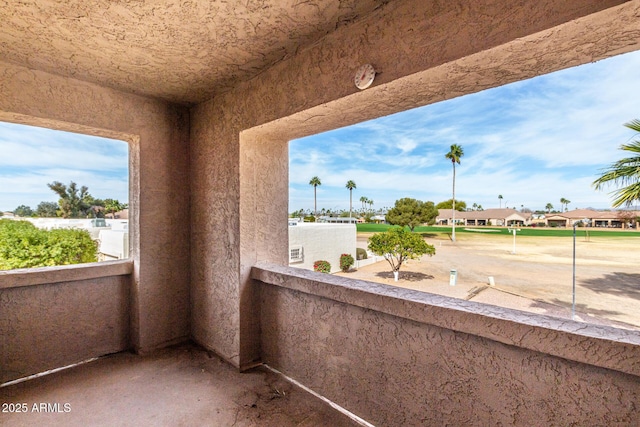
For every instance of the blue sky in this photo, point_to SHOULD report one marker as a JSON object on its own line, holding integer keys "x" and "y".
{"x": 533, "y": 142}
{"x": 32, "y": 157}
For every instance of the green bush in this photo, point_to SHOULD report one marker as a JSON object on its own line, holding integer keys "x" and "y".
{"x": 346, "y": 261}
{"x": 361, "y": 253}
{"x": 23, "y": 245}
{"x": 322, "y": 266}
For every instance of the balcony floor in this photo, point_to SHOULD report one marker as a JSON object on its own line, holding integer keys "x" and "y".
{"x": 179, "y": 386}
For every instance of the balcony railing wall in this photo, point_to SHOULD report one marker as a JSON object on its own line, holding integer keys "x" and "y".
{"x": 57, "y": 316}
{"x": 400, "y": 357}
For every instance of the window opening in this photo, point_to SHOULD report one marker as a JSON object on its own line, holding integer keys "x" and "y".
{"x": 63, "y": 199}
{"x": 531, "y": 152}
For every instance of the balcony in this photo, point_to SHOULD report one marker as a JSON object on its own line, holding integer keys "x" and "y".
{"x": 387, "y": 355}
{"x": 207, "y": 115}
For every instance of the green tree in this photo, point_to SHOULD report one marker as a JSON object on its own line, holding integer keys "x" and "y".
{"x": 22, "y": 245}
{"x": 461, "y": 206}
{"x": 500, "y": 200}
{"x": 625, "y": 172}
{"x": 315, "y": 182}
{"x": 564, "y": 203}
{"x": 548, "y": 207}
{"x": 398, "y": 245}
{"x": 455, "y": 154}
{"x": 111, "y": 206}
{"x": 411, "y": 213}
{"x": 96, "y": 208}
{"x": 47, "y": 209}
{"x": 350, "y": 185}
{"x": 23, "y": 211}
{"x": 74, "y": 202}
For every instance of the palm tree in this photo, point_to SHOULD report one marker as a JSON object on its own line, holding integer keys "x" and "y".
{"x": 370, "y": 204}
{"x": 500, "y": 199}
{"x": 562, "y": 203}
{"x": 112, "y": 206}
{"x": 315, "y": 181}
{"x": 454, "y": 155}
{"x": 624, "y": 172}
{"x": 549, "y": 207}
{"x": 363, "y": 200}
{"x": 350, "y": 185}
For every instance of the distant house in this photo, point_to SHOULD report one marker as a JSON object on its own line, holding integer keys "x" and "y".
{"x": 608, "y": 219}
{"x": 488, "y": 217}
{"x": 123, "y": 214}
{"x": 379, "y": 219}
{"x": 340, "y": 219}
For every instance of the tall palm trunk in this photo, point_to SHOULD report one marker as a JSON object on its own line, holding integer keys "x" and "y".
{"x": 350, "y": 201}
{"x": 453, "y": 205}
{"x": 315, "y": 203}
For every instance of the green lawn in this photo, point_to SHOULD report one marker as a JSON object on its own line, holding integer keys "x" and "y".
{"x": 524, "y": 231}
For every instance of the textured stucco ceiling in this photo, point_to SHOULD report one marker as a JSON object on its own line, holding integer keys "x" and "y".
{"x": 183, "y": 51}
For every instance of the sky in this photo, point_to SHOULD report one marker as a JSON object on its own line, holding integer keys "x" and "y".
{"x": 31, "y": 157}
{"x": 533, "y": 142}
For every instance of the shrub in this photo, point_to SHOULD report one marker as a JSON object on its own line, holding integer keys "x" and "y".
{"x": 22, "y": 245}
{"x": 322, "y": 266}
{"x": 346, "y": 261}
{"x": 361, "y": 253}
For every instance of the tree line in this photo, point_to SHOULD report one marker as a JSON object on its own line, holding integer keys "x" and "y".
{"x": 73, "y": 202}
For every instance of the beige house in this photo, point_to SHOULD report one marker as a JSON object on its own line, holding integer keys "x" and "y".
{"x": 488, "y": 217}
{"x": 207, "y": 95}
{"x": 605, "y": 219}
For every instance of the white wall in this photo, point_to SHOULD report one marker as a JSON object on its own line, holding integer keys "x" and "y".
{"x": 322, "y": 242}
{"x": 114, "y": 244}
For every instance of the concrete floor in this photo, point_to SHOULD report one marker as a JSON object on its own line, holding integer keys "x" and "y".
{"x": 179, "y": 386}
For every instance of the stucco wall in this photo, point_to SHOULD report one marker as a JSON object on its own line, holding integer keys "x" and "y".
{"x": 52, "y": 320}
{"x": 425, "y": 52}
{"x": 398, "y": 357}
{"x": 157, "y": 133}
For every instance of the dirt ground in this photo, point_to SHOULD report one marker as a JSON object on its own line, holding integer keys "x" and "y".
{"x": 538, "y": 277}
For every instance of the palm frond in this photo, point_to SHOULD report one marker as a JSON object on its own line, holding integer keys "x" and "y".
{"x": 633, "y": 125}
{"x": 624, "y": 172}
{"x": 627, "y": 195}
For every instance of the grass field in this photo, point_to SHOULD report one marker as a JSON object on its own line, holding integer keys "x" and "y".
{"x": 524, "y": 231}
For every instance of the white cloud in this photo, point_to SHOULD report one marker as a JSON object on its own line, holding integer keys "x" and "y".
{"x": 533, "y": 141}
{"x": 33, "y": 157}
